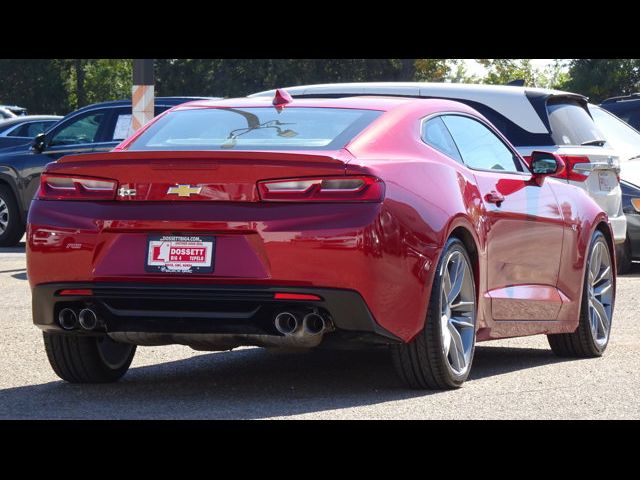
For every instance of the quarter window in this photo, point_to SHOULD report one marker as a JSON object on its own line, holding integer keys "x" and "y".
{"x": 436, "y": 135}
{"x": 479, "y": 147}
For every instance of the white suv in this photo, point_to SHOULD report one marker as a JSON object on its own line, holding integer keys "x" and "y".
{"x": 531, "y": 118}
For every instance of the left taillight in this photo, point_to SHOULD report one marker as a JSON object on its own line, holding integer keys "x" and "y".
{"x": 360, "y": 188}
{"x": 71, "y": 187}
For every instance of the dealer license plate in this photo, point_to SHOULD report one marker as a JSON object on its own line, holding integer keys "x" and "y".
{"x": 180, "y": 254}
{"x": 607, "y": 180}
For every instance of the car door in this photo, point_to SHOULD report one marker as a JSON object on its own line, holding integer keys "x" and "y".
{"x": 522, "y": 224}
{"x": 80, "y": 133}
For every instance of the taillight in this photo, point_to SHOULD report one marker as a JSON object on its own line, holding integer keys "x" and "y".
{"x": 328, "y": 189}
{"x": 71, "y": 187}
{"x": 635, "y": 202}
{"x": 571, "y": 172}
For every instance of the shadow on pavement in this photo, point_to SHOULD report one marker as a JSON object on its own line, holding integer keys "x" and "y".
{"x": 17, "y": 249}
{"x": 247, "y": 384}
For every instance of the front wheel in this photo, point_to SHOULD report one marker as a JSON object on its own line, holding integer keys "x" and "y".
{"x": 440, "y": 356}
{"x": 79, "y": 359}
{"x": 592, "y": 335}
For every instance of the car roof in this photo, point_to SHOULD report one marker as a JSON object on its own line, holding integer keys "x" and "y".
{"x": 28, "y": 118}
{"x": 510, "y": 101}
{"x": 358, "y": 102}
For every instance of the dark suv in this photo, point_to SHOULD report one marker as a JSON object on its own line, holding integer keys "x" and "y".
{"x": 626, "y": 107}
{"x": 94, "y": 128}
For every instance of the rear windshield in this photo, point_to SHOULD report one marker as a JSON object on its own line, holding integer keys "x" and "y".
{"x": 262, "y": 128}
{"x": 571, "y": 124}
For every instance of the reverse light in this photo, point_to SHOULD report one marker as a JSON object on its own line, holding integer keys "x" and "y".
{"x": 70, "y": 187}
{"x": 572, "y": 171}
{"x": 328, "y": 189}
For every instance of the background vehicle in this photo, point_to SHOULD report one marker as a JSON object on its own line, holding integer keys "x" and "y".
{"x": 296, "y": 223}
{"x": 626, "y": 107}
{"x": 629, "y": 251}
{"x": 22, "y": 129}
{"x": 530, "y": 118}
{"x": 626, "y": 141}
{"x": 14, "y": 109}
{"x": 94, "y": 128}
{"x": 6, "y": 114}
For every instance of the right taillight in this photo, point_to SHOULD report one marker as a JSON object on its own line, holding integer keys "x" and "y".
{"x": 571, "y": 172}
{"x": 356, "y": 188}
{"x": 71, "y": 187}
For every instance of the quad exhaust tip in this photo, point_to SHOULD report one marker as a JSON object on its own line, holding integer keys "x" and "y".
{"x": 88, "y": 319}
{"x": 67, "y": 319}
{"x": 286, "y": 323}
{"x": 314, "y": 324}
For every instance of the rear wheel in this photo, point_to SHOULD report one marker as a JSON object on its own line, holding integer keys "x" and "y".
{"x": 440, "y": 356}
{"x": 592, "y": 335}
{"x": 11, "y": 227}
{"x": 79, "y": 359}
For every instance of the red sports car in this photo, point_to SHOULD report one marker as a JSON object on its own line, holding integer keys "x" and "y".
{"x": 305, "y": 223}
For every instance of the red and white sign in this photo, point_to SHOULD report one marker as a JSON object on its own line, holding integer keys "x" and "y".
{"x": 180, "y": 254}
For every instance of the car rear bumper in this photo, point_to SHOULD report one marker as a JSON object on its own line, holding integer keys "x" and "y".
{"x": 619, "y": 227}
{"x": 201, "y": 309}
{"x": 633, "y": 233}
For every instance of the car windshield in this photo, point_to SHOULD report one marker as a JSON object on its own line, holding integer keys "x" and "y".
{"x": 618, "y": 134}
{"x": 261, "y": 128}
{"x": 572, "y": 125}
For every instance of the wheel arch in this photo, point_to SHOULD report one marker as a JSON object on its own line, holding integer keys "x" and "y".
{"x": 9, "y": 178}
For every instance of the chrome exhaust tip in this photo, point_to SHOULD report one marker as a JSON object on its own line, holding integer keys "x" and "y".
{"x": 314, "y": 324}
{"x": 88, "y": 319}
{"x": 286, "y": 323}
{"x": 67, "y": 319}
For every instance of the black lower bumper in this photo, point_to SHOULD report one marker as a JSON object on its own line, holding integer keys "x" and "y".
{"x": 195, "y": 309}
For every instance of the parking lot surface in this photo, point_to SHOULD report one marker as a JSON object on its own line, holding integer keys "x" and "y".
{"x": 511, "y": 379}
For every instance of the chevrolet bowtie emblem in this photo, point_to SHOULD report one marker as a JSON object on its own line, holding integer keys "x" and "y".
{"x": 184, "y": 190}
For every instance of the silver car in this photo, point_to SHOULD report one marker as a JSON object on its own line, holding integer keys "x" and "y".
{"x": 531, "y": 118}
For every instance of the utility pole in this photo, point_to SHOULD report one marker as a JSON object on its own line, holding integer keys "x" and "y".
{"x": 142, "y": 94}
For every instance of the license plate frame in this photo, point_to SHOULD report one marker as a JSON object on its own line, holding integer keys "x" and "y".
{"x": 173, "y": 262}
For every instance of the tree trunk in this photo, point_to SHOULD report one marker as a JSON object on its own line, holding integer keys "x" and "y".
{"x": 408, "y": 72}
{"x": 80, "y": 94}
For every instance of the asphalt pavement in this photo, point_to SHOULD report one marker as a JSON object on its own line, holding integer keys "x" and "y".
{"x": 510, "y": 379}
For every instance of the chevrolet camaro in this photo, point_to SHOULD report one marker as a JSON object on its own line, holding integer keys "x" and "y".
{"x": 411, "y": 224}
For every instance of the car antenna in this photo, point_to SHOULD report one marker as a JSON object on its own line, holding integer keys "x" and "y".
{"x": 281, "y": 98}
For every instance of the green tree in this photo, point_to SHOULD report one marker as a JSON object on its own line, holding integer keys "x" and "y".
{"x": 501, "y": 71}
{"x": 98, "y": 80}
{"x": 602, "y": 78}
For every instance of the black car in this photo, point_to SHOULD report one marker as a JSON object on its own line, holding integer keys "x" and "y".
{"x": 94, "y": 128}
{"x": 630, "y": 250}
{"x": 626, "y": 107}
{"x": 22, "y": 129}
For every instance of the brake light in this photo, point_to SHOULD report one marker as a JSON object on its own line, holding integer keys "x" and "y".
{"x": 81, "y": 292}
{"x": 328, "y": 189}
{"x": 296, "y": 296}
{"x": 69, "y": 187}
{"x": 571, "y": 172}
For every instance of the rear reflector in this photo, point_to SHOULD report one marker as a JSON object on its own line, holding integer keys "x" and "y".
{"x": 67, "y": 187}
{"x": 296, "y": 296}
{"x": 570, "y": 161}
{"x": 82, "y": 292}
{"x": 328, "y": 189}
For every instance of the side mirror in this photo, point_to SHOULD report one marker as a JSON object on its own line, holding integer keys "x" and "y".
{"x": 39, "y": 142}
{"x": 545, "y": 164}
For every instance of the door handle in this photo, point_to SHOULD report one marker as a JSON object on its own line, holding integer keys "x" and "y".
{"x": 494, "y": 197}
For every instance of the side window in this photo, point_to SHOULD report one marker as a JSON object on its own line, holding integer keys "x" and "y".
{"x": 480, "y": 147}
{"x": 79, "y": 130}
{"x": 29, "y": 129}
{"x": 121, "y": 128}
{"x": 21, "y": 131}
{"x": 436, "y": 135}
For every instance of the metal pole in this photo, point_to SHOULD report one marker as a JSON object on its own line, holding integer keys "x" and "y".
{"x": 142, "y": 94}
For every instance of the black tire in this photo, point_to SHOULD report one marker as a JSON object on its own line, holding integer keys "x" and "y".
{"x": 580, "y": 343}
{"x": 624, "y": 257}
{"x": 11, "y": 234}
{"x": 78, "y": 359}
{"x": 422, "y": 363}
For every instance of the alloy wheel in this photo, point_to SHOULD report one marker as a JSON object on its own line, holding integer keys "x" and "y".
{"x": 600, "y": 293}
{"x": 457, "y": 312}
{"x": 4, "y": 216}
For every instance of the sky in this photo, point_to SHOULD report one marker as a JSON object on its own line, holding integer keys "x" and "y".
{"x": 474, "y": 68}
